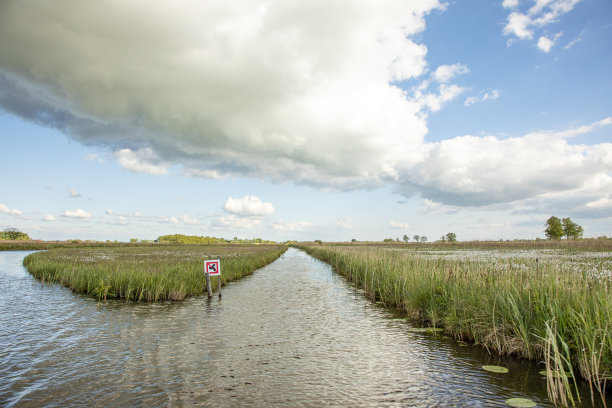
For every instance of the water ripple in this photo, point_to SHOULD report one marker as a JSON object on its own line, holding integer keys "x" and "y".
{"x": 293, "y": 334}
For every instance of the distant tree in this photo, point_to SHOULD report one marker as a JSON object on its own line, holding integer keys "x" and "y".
{"x": 318, "y": 241}
{"x": 14, "y": 234}
{"x": 388, "y": 240}
{"x": 443, "y": 238}
{"x": 571, "y": 229}
{"x": 353, "y": 240}
{"x": 554, "y": 228}
{"x": 423, "y": 239}
{"x": 406, "y": 239}
{"x": 416, "y": 238}
{"x": 451, "y": 237}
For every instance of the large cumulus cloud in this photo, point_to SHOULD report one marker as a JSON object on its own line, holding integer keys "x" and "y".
{"x": 287, "y": 91}
{"x": 290, "y": 90}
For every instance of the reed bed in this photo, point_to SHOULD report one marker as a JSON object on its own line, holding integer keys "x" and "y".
{"x": 146, "y": 273}
{"x": 553, "y": 305}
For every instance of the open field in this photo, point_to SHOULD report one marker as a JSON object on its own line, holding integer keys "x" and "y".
{"x": 146, "y": 273}
{"x": 551, "y": 304}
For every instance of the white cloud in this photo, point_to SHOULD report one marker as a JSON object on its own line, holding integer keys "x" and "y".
{"x": 295, "y": 226}
{"x": 445, "y": 73}
{"x": 518, "y": 24}
{"x": 476, "y": 171}
{"x": 109, "y": 211}
{"x": 73, "y": 193}
{"x": 510, "y": 3}
{"x": 48, "y": 218}
{"x": 78, "y": 213}
{"x": 248, "y": 206}
{"x": 523, "y": 24}
{"x": 345, "y": 223}
{"x": 239, "y": 88}
{"x": 574, "y": 41}
{"x": 398, "y": 224}
{"x": 4, "y": 209}
{"x": 121, "y": 220}
{"x": 141, "y": 161}
{"x": 95, "y": 157}
{"x": 545, "y": 44}
{"x": 234, "y": 221}
{"x": 189, "y": 220}
{"x": 487, "y": 96}
{"x": 435, "y": 102}
{"x": 168, "y": 220}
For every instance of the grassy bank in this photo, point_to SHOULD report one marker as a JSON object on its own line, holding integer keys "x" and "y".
{"x": 553, "y": 305}
{"x": 146, "y": 273}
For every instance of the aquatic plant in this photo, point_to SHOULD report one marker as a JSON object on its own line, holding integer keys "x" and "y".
{"x": 553, "y": 305}
{"x": 146, "y": 273}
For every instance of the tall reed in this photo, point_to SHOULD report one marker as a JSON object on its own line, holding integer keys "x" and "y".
{"x": 553, "y": 311}
{"x": 146, "y": 273}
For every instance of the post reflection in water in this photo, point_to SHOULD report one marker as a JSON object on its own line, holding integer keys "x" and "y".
{"x": 292, "y": 334}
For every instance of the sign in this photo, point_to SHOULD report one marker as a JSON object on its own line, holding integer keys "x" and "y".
{"x": 213, "y": 268}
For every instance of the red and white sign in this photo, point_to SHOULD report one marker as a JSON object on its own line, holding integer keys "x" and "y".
{"x": 213, "y": 268}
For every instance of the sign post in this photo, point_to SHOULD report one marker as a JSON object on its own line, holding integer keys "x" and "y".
{"x": 212, "y": 268}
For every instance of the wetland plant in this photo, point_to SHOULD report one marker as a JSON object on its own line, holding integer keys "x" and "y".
{"x": 146, "y": 273}
{"x": 557, "y": 309}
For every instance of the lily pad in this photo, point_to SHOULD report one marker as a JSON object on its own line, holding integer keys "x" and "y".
{"x": 495, "y": 369}
{"x": 555, "y": 374}
{"x": 520, "y": 402}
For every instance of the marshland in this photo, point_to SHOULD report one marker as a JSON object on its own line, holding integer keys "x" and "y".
{"x": 548, "y": 304}
{"x": 417, "y": 324}
{"x": 146, "y": 273}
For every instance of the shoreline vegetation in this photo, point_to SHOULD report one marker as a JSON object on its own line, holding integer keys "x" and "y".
{"x": 537, "y": 300}
{"x": 145, "y": 272}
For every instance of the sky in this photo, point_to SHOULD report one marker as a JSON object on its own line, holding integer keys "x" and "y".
{"x": 305, "y": 120}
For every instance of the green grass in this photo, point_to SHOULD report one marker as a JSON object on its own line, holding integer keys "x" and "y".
{"x": 146, "y": 273}
{"x": 557, "y": 309}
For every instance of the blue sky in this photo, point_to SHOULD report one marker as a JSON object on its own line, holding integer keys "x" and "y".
{"x": 328, "y": 120}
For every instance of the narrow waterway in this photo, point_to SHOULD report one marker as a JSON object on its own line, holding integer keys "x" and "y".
{"x": 292, "y": 334}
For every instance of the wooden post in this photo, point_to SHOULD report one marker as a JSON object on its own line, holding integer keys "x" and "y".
{"x": 208, "y": 287}
{"x": 219, "y": 286}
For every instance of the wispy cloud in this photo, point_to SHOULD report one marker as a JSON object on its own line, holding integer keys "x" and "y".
{"x": 78, "y": 213}
{"x": 398, "y": 224}
{"x": 487, "y": 96}
{"x": 345, "y": 223}
{"x": 4, "y": 209}
{"x": 141, "y": 161}
{"x": 294, "y": 226}
{"x": 73, "y": 193}
{"x": 523, "y": 24}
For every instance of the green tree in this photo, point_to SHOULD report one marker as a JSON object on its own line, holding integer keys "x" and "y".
{"x": 14, "y": 234}
{"x": 571, "y": 229}
{"x": 416, "y": 238}
{"x": 554, "y": 228}
{"x": 423, "y": 238}
{"x": 451, "y": 237}
{"x": 406, "y": 239}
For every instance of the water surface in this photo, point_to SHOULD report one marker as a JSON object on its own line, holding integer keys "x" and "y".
{"x": 292, "y": 334}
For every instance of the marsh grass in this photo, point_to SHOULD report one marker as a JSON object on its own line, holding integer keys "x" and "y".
{"x": 556, "y": 309}
{"x": 146, "y": 273}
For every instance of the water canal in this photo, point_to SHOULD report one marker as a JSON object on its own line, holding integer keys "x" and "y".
{"x": 292, "y": 334}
